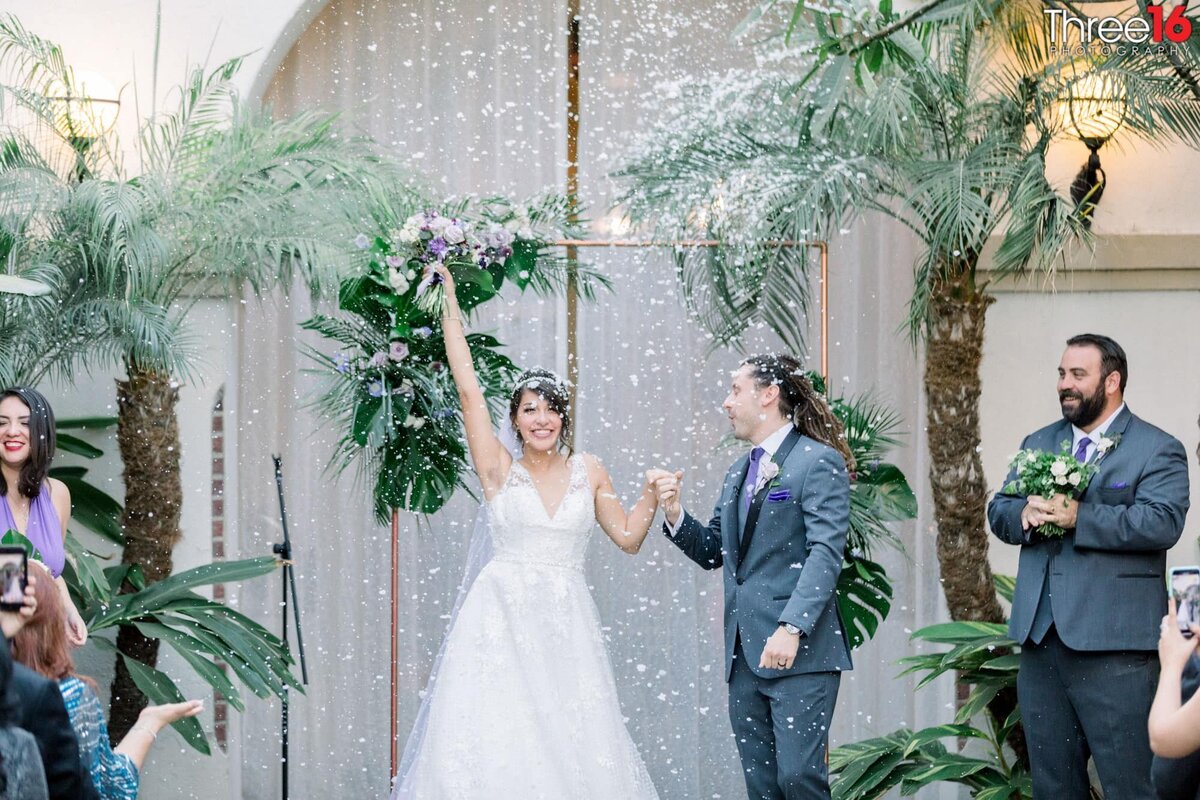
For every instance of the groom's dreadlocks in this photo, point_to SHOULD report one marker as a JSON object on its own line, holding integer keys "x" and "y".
{"x": 799, "y": 401}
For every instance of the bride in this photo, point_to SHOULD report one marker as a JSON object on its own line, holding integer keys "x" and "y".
{"x": 522, "y": 702}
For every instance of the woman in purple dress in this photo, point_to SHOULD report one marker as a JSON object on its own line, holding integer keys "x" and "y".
{"x": 32, "y": 503}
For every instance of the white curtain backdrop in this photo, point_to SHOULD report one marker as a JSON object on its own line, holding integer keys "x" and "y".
{"x": 473, "y": 94}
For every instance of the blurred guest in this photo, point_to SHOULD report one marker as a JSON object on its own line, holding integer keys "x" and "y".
{"x": 41, "y": 644}
{"x": 35, "y": 704}
{"x": 22, "y": 776}
{"x": 1174, "y": 724}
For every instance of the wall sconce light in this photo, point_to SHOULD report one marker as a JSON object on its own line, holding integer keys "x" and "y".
{"x": 85, "y": 109}
{"x": 1095, "y": 109}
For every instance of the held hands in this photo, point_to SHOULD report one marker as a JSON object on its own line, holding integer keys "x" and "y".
{"x": 1060, "y": 510}
{"x": 780, "y": 651}
{"x": 666, "y": 485}
{"x": 1174, "y": 649}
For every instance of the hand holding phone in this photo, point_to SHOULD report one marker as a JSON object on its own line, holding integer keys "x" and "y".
{"x": 1185, "y": 591}
{"x": 14, "y": 576}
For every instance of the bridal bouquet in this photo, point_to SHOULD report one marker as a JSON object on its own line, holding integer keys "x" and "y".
{"x": 1046, "y": 474}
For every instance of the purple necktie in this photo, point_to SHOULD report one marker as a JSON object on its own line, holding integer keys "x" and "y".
{"x": 1081, "y": 451}
{"x": 752, "y": 478}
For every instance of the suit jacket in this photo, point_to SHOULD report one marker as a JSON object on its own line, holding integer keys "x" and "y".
{"x": 37, "y": 706}
{"x": 1108, "y": 575}
{"x": 785, "y": 567}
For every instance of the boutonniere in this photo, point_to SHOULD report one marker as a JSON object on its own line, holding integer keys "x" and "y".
{"x": 1106, "y": 445}
{"x": 768, "y": 470}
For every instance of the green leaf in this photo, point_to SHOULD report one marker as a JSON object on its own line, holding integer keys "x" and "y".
{"x": 131, "y": 606}
{"x": 873, "y": 57}
{"x": 368, "y": 420}
{"x": 197, "y": 654}
{"x": 1006, "y": 586}
{"x": 927, "y": 735}
{"x": 18, "y": 539}
{"x": 160, "y": 689}
{"x": 73, "y": 444}
{"x": 94, "y": 509}
{"x": 91, "y": 423}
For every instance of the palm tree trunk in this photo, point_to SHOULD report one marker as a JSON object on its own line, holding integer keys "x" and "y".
{"x": 148, "y": 437}
{"x": 954, "y": 351}
{"x": 952, "y": 389}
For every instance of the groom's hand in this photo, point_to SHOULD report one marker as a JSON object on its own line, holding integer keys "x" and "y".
{"x": 780, "y": 652}
{"x": 667, "y": 487}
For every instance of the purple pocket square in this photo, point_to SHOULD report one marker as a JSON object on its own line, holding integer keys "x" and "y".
{"x": 778, "y": 495}
{"x": 1118, "y": 485}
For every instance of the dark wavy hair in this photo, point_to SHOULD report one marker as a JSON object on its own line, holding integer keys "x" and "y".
{"x": 799, "y": 401}
{"x": 548, "y": 386}
{"x": 43, "y": 440}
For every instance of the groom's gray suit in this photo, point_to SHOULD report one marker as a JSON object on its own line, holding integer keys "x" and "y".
{"x": 1087, "y": 607}
{"x": 781, "y": 560}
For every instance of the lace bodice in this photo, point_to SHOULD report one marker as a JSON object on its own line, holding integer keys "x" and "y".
{"x": 524, "y": 532}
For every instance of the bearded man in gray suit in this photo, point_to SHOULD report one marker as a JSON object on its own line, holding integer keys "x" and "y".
{"x": 779, "y": 533}
{"x": 1087, "y": 606}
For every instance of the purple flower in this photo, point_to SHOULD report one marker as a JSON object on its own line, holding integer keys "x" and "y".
{"x": 378, "y": 359}
{"x": 394, "y": 261}
{"x": 375, "y": 388}
{"x": 362, "y": 241}
{"x": 437, "y": 366}
{"x": 437, "y": 246}
{"x": 443, "y": 413}
{"x": 341, "y": 362}
{"x": 424, "y": 332}
{"x": 398, "y": 351}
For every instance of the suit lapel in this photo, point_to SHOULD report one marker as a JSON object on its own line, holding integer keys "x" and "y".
{"x": 730, "y": 510}
{"x": 779, "y": 458}
{"x": 1115, "y": 431}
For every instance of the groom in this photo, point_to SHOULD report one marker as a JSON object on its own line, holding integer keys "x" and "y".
{"x": 778, "y": 532}
{"x": 1087, "y": 606}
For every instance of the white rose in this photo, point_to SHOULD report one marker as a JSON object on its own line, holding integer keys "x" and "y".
{"x": 1073, "y": 478}
{"x": 438, "y": 223}
{"x": 398, "y": 281}
{"x": 1058, "y": 469}
{"x": 415, "y": 221}
{"x": 408, "y": 234}
{"x": 1105, "y": 444}
{"x": 453, "y": 234}
{"x": 1061, "y": 480}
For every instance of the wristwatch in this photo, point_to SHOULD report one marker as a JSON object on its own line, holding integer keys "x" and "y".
{"x": 790, "y": 628}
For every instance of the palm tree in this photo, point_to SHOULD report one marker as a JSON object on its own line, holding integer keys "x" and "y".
{"x": 224, "y": 199}
{"x": 939, "y": 119}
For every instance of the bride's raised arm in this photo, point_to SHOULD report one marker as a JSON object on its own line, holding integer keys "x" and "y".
{"x": 628, "y": 531}
{"x": 489, "y": 457}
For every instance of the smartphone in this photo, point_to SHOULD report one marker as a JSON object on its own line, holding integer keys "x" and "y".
{"x": 1185, "y": 588}
{"x": 14, "y": 575}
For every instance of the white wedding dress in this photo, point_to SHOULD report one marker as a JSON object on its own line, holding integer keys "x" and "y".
{"x": 525, "y": 705}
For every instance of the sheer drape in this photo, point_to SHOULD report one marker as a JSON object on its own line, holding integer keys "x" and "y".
{"x": 473, "y": 93}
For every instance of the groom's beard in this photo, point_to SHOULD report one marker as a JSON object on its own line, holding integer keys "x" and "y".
{"x": 1087, "y": 410}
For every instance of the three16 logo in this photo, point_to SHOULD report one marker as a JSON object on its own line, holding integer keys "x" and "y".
{"x": 1161, "y": 25}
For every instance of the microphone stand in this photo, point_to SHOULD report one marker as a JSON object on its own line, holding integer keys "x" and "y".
{"x": 284, "y": 551}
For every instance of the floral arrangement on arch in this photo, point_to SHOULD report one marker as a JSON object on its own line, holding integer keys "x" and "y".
{"x": 386, "y": 380}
